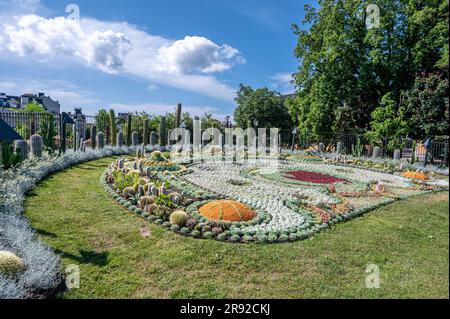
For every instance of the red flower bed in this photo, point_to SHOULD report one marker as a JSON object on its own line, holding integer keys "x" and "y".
{"x": 317, "y": 178}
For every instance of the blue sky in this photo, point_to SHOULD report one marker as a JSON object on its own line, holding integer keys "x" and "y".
{"x": 147, "y": 55}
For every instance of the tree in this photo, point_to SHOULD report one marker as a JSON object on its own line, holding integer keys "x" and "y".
{"x": 262, "y": 105}
{"x": 34, "y": 107}
{"x": 387, "y": 125}
{"x": 209, "y": 121}
{"x": 102, "y": 120}
{"x": 426, "y": 106}
{"x": 342, "y": 64}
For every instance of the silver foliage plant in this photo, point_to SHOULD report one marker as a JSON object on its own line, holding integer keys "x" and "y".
{"x": 42, "y": 271}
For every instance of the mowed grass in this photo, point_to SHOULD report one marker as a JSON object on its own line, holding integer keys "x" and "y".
{"x": 407, "y": 240}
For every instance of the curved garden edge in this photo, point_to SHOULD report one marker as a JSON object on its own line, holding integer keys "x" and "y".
{"x": 42, "y": 274}
{"x": 242, "y": 238}
{"x": 166, "y": 265}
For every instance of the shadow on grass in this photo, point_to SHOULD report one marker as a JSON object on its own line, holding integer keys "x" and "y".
{"x": 45, "y": 233}
{"x": 87, "y": 257}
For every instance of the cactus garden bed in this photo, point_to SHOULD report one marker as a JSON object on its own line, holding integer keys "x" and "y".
{"x": 120, "y": 255}
{"x": 253, "y": 201}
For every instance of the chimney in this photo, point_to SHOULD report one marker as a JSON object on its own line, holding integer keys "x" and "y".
{"x": 41, "y": 94}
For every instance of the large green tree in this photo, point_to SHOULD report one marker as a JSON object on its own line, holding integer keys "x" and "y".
{"x": 346, "y": 68}
{"x": 262, "y": 105}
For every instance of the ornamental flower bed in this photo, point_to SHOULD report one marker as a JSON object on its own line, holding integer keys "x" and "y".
{"x": 252, "y": 201}
{"x": 313, "y": 177}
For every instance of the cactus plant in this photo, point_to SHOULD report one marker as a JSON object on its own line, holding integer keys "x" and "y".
{"x": 413, "y": 152}
{"x": 10, "y": 264}
{"x": 178, "y": 217}
{"x": 100, "y": 140}
{"x": 162, "y": 131}
{"x": 120, "y": 139}
{"x": 93, "y": 136}
{"x": 397, "y": 155}
{"x": 107, "y": 136}
{"x": 357, "y": 149}
{"x": 77, "y": 141}
{"x": 145, "y": 133}
{"x": 21, "y": 147}
{"x": 9, "y": 157}
{"x": 178, "y": 116}
{"x": 153, "y": 138}
{"x": 376, "y": 152}
{"x": 128, "y": 130}
{"x": 112, "y": 127}
{"x": 339, "y": 147}
{"x": 36, "y": 145}
{"x": 134, "y": 139}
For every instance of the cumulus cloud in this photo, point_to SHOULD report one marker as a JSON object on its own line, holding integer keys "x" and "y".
{"x": 120, "y": 48}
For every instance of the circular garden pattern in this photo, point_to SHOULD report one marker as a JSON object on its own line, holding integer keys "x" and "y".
{"x": 257, "y": 200}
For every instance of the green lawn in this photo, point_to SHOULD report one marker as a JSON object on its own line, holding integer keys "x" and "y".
{"x": 408, "y": 240}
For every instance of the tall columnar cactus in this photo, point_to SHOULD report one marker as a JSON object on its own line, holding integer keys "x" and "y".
{"x": 357, "y": 149}
{"x": 128, "y": 130}
{"x": 397, "y": 155}
{"x": 113, "y": 127}
{"x": 413, "y": 152}
{"x": 145, "y": 133}
{"x": 74, "y": 144}
{"x": 107, "y": 135}
{"x": 120, "y": 139}
{"x": 93, "y": 136}
{"x": 21, "y": 147}
{"x": 178, "y": 116}
{"x": 162, "y": 131}
{"x": 100, "y": 140}
{"x": 338, "y": 147}
{"x": 77, "y": 141}
{"x": 135, "y": 139}
{"x": 376, "y": 152}
{"x": 36, "y": 145}
{"x": 153, "y": 138}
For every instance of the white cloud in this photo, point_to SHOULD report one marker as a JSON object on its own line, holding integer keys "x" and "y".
{"x": 120, "y": 48}
{"x": 282, "y": 82}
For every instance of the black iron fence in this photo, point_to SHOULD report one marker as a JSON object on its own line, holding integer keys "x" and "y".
{"x": 27, "y": 124}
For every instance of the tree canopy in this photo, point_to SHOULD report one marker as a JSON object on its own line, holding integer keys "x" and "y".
{"x": 345, "y": 68}
{"x": 262, "y": 105}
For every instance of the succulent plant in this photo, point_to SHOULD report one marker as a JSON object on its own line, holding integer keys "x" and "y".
{"x": 179, "y": 217}
{"x": 134, "y": 139}
{"x": 129, "y": 130}
{"x": 397, "y": 154}
{"x": 36, "y": 145}
{"x": 376, "y": 152}
{"x": 120, "y": 139}
{"x": 10, "y": 264}
{"x": 21, "y": 148}
{"x": 100, "y": 140}
{"x": 113, "y": 127}
{"x": 162, "y": 131}
{"x": 191, "y": 222}
{"x": 145, "y": 135}
{"x": 93, "y": 136}
{"x": 153, "y": 138}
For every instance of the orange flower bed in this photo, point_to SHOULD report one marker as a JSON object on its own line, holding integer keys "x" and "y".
{"x": 415, "y": 175}
{"x": 227, "y": 210}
